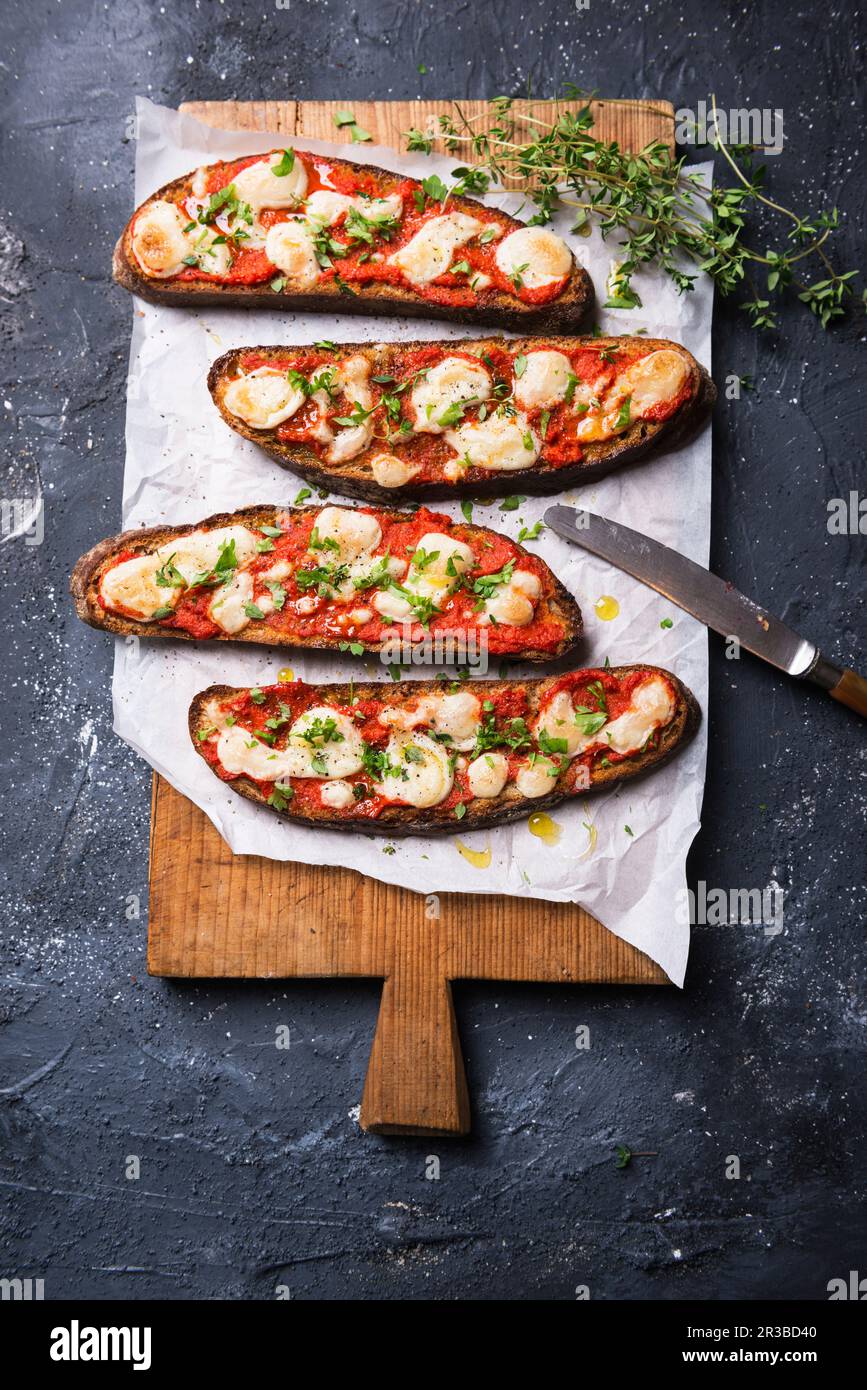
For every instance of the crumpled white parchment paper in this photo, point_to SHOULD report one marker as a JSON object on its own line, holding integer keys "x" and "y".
{"x": 183, "y": 464}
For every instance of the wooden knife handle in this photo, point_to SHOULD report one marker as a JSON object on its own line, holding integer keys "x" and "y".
{"x": 851, "y": 690}
{"x": 843, "y": 685}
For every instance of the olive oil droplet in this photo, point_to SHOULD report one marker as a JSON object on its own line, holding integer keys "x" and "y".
{"x": 606, "y": 608}
{"x": 285, "y": 675}
{"x": 479, "y": 858}
{"x": 548, "y": 830}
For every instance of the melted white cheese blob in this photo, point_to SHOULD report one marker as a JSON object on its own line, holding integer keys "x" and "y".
{"x": 241, "y": 753}
{"x": 326, "y": 207}
{"x": 557, "y": 720}
{"x": 653, "y": 380}
{"x": 450, "y": 382}
{"x": 338, "y": 795}
{"x": 357, "y": 557}
{"x": 352, "y": 377}
{"x": 545, "y": 380}
{"x": 537, "y": 778}
{"x": 199, "y": 552}
{"x": 650, "y": 707}
{"x": 488, "y": 774}
{"x": 443, "y": 561}
{"x": 502, "y": 443}
{"x": 225, "y": 223}
{"x": 534, "y": 255}
{"x": 429, "y": 253}
{"x": 281, "y": 569}
{"x": 355, "y": 533}
{"x": 259, "y": 186}
{"x": 456, "y": 716}
{"x": 132, "y": 585}
{"x": 289, "y": 246}
{"x": 212, "y": 257}
{"x": 588, "y": 394}
{"x": 514, "y": 602}
{"x": 598, "y": 425}
{"x": 263, "y": 399}
{"x": 390, "y": 471}
{"x": 226, "y": 608}
{"x": 427, "y": 766}
{"x": 159, "y": 241}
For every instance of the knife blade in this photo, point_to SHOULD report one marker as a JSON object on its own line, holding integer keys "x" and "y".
{"x": 715, "y": 602}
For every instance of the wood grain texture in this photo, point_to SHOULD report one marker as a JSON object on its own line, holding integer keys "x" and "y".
{"x": 632, "y": 124}
{"x": 215, "y": 914}
{"x": 851, "y": 690}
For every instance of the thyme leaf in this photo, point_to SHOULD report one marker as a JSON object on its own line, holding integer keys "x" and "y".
{"x": 664, "y": 213}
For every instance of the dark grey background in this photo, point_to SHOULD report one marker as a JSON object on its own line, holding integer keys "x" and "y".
{"x": 254, "y": 1173}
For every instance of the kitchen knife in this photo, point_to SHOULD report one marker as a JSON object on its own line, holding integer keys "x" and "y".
{"x": 710, "y": 599}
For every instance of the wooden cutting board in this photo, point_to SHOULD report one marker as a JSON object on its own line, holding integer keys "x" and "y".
{"x": 215, "y": 914}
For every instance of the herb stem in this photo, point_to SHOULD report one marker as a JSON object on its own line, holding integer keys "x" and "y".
{"x": 664, "y": 211}
{"x": 768, "y": 202}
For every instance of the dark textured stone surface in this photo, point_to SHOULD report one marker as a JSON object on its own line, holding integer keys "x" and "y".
{"x": 253, "y": 1171}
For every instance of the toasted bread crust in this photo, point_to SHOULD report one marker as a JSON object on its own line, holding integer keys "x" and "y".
{"x": 481, "y": 813}
{"x": 562, "y": 315}
{"x": 87, "y": 574}
{"x": 353, "y": 478}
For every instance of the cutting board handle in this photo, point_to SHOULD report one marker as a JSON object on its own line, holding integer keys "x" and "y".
{"x": 416, "y": 1083}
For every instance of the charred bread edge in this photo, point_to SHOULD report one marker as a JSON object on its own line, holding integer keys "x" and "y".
{"x": 558, "y": 316}
{"x": 480, "y": 813}
{"x": 641, "y": 441}
{"x": 82, "y": 586}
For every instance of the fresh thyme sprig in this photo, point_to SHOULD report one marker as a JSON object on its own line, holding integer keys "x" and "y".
{"x": 665, "y": 214}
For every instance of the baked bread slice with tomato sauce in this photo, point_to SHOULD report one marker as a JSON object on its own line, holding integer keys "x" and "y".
{"x": 300, "y": 232}
{"x": 481, "y": 418}
{"x": 422, "y": 757}
{"x": 330, "y": 577}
